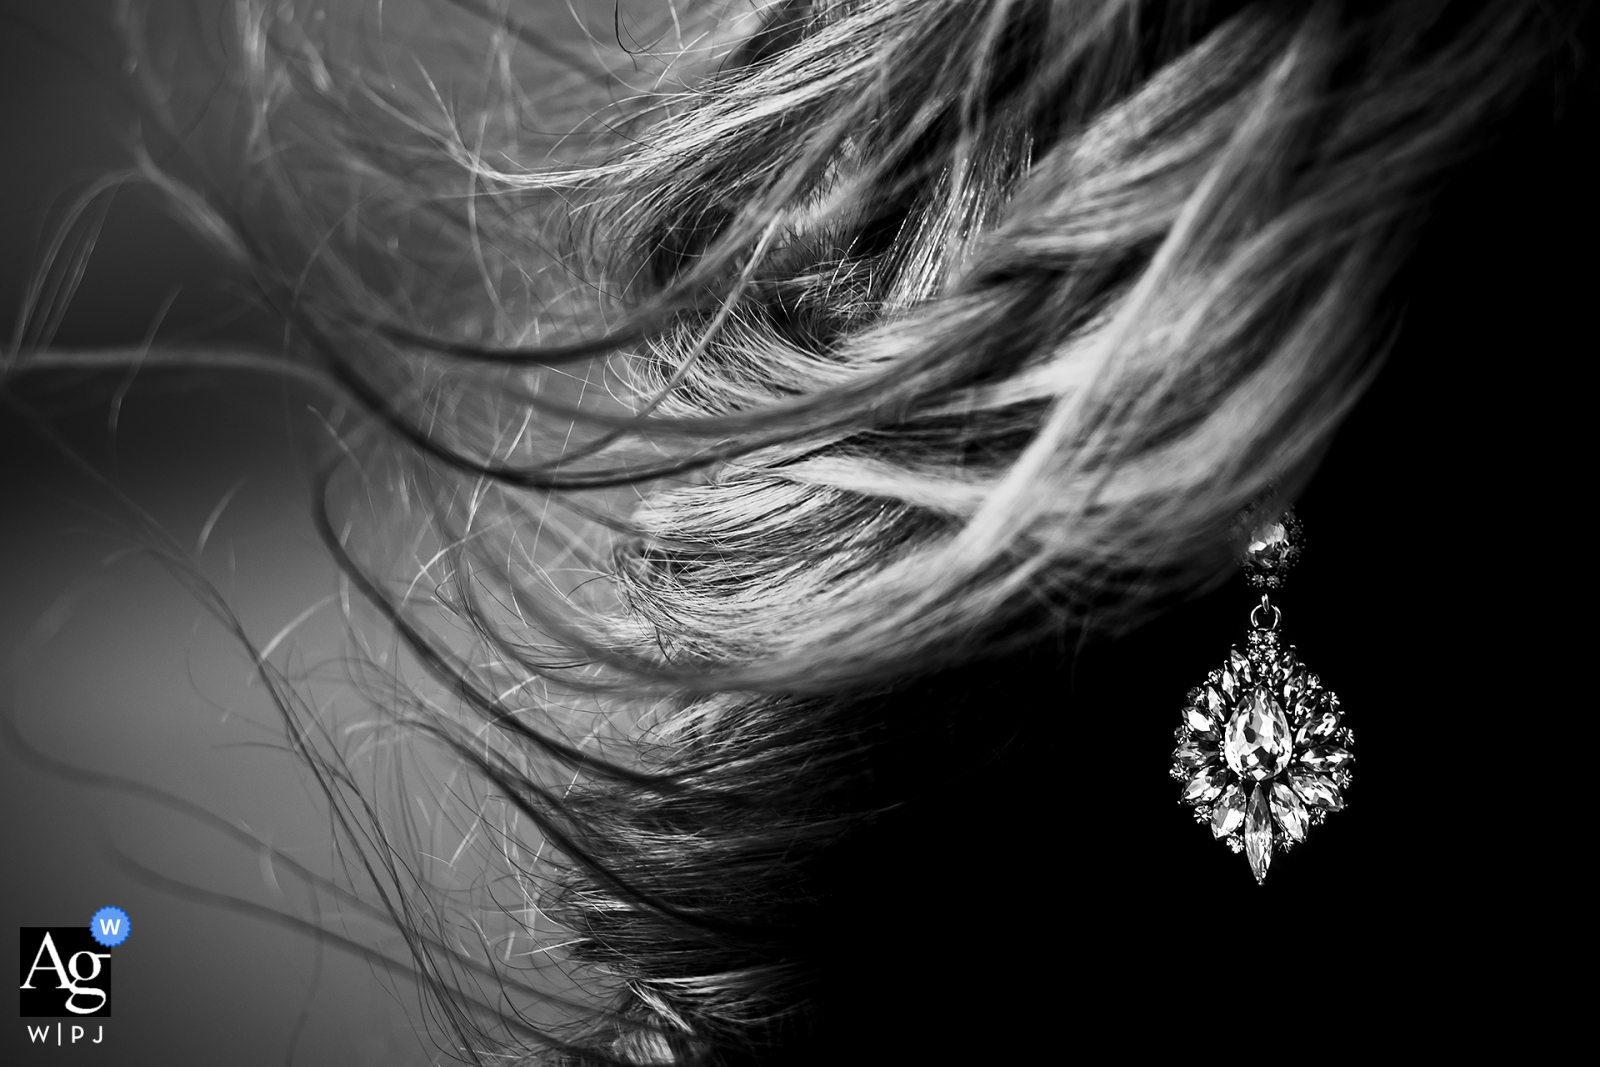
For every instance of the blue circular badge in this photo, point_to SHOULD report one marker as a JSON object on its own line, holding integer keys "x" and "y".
{"x": 109, "y": 926}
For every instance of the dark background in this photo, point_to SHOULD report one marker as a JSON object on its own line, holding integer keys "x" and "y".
{"x": 1444, "y": 569}
{"x": 1444, "y": 595}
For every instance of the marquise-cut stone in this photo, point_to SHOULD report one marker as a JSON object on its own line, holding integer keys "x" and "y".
{"x": 1229, "y": 812}
{"x": 1230, "y": 686}
{"x": 1239, "y": 664}
{"x": 1317, "y": 791}
{"x": 1294, "y": 685}
{"x": 1327, "y": 759}
{"x": 1200, "y": 722}
{"x": 1194, "y": 754}
{"x": 1258, "y": 834}
{"x": 1205, "y": 785}
{"x": 1318, "y": 727}
{"x": 1288, "y": 810}
{"x": 1257, "y": 742}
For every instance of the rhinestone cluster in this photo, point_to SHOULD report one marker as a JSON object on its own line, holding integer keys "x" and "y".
{"x": 1271, "y": 549}
{"x": 1261, "y": 753}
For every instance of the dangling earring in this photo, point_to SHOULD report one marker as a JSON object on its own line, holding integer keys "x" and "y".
{"x": 1261, "y": 749}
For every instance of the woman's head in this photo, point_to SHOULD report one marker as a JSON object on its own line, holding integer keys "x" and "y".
{"x": 768, "y": 402}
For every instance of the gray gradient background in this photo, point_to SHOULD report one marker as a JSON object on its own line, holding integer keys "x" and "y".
{"x": 108, "y": 663}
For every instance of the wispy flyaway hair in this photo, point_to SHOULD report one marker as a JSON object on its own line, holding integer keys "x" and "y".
{"x": 748, "y": 380}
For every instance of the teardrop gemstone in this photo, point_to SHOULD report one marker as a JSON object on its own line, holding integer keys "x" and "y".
{"x": 1257, "y": 743}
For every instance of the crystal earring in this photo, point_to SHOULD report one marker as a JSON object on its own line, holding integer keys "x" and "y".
{"x": 1261, "y": 753}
